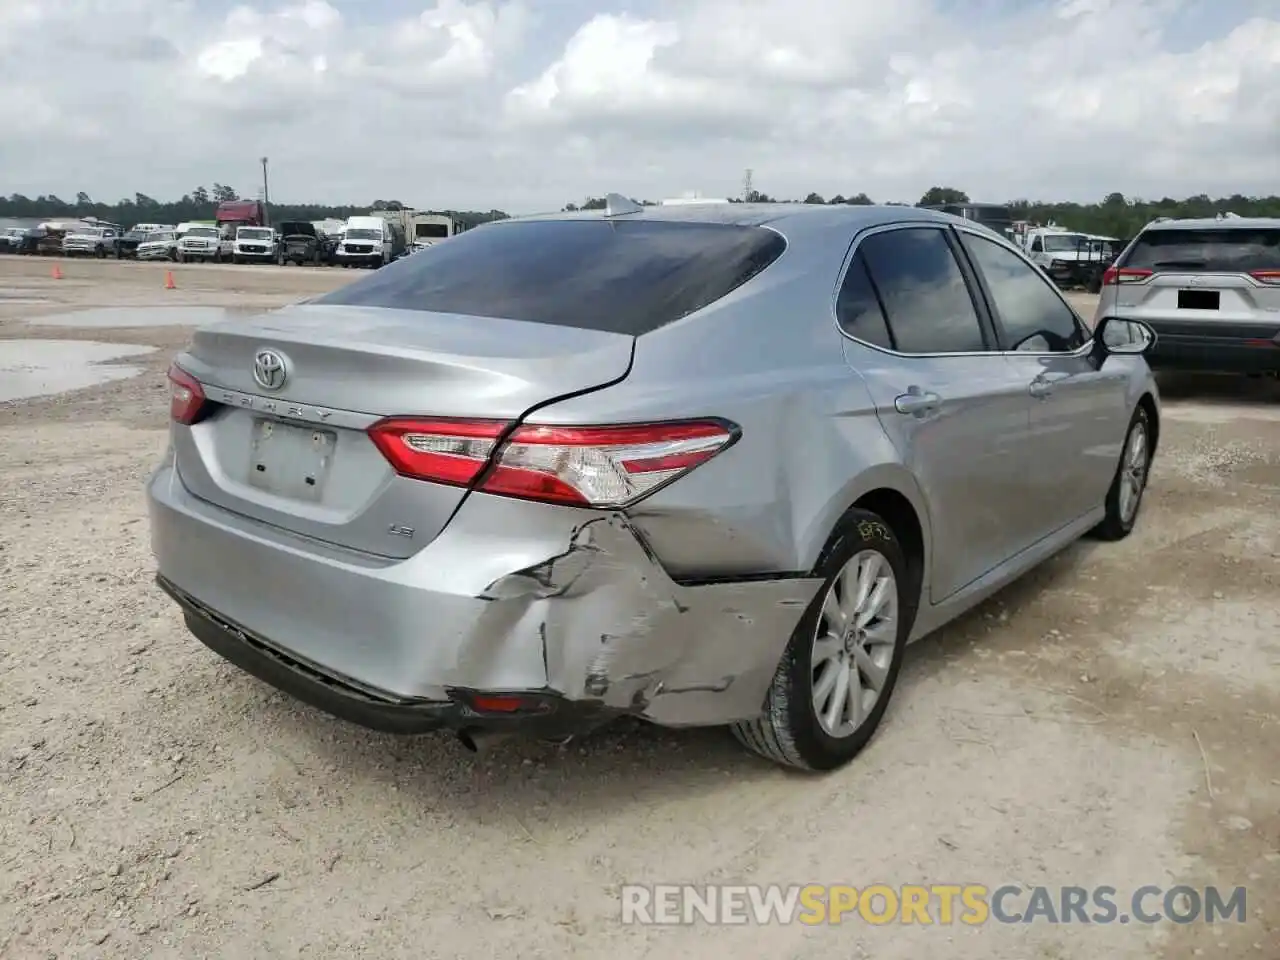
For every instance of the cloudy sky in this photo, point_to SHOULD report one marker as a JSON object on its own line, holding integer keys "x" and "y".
{"x": 528, "y": 104}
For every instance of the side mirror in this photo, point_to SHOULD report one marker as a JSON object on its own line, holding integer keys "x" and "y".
{"x": 1120, "y": 336}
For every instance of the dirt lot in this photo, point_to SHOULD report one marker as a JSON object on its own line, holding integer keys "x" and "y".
{"x": 1113, "y": 719}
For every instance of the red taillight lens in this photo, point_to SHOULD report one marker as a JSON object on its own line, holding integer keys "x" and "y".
{"x": 442, "y": 451}
{"x": 1269, "y": 277}
{"x": 1114, "y": 276}
{"x": 600, "y": 467}
{"x": 186, "y": 396}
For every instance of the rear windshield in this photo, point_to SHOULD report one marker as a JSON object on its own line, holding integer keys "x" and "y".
{"x": 1233, "y": 250}
{"x": 626, "y": 277}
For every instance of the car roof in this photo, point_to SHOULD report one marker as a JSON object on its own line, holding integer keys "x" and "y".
{"x": 1214, "y": 223}
{"x": 786, "y": 217}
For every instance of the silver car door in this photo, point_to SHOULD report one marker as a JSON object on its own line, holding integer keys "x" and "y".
{"x": 955, "y": 409}
{"x": 1079, "y": 409}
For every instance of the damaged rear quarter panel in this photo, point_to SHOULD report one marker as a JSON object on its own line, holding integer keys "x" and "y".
{"x": 614, "y": 627}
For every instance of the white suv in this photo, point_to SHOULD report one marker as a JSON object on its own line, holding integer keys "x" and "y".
{"x": 1209, "y": 288}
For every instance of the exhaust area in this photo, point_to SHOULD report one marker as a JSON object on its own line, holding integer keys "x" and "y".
{"x": 480, "y": 741}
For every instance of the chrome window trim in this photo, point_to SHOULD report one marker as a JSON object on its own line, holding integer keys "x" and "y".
{"x": 1081, "y": 352}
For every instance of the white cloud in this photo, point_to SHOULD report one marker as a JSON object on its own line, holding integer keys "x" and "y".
{"x": 480, "y": 103}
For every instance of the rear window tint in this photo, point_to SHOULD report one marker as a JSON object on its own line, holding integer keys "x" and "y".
{"x": 623, "y": 277}
{"x": 1233, "y": 250}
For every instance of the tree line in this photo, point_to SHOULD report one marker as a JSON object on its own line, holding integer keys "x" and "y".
{"x": 200, "y": 204}
{"x": 1115, "y": 215}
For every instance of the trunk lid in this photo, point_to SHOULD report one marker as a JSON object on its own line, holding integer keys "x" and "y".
{"x": 1227, "y": 299}
{"x": 298, "y": 457}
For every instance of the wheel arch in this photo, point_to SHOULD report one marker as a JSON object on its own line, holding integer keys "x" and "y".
{"x": 1148, "y": 403}
{"x": 892, "y": 493}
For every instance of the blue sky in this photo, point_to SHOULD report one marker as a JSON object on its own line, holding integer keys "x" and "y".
{"x": 525, "y": 106}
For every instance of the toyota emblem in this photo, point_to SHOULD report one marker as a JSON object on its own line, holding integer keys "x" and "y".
{"x": 269, "y": 370}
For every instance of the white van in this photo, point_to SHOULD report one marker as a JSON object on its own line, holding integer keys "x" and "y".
{"x": 369, "y": 242}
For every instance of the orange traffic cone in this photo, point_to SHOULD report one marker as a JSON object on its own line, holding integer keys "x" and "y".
{"x": 57, "y": 272}
{"x": 168, "y": 281}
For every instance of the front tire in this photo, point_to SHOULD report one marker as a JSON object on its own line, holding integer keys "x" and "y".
{"x": 837, "y": 674}
{"x": 1124, "y": 499}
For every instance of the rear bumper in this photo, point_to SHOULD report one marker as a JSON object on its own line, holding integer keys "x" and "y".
{"x": 1212, "y": 346}
{"x": 512, "y": 598}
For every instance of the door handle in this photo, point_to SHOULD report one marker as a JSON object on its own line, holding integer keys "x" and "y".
{"x": 917, "y": 402}
{"x": 1040, "y": 388}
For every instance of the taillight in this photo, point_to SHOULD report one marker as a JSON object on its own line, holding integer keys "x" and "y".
{"x": 604, "y": 467}
{"x": 1270, "y": 277}
{"x": 1114, "y": 276}
{"x": 186, "y": 396}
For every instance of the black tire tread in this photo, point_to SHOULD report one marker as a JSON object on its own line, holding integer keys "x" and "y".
{"x": 1113, "y": 528}
{"x": 773, "y": 734}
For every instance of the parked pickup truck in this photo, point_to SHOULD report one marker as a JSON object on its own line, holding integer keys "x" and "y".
{"x": 161, "y": 245}
{"x": 254, "y": 245}
{"x": 198, "y": 241}
{"x": 301, "y": 243}
{"x": 97, "y": 242}
{"x": 136, "y": 235}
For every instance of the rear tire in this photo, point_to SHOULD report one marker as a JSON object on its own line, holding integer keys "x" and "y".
{"x": 1124, "y": 499}
{"x": 811, "y": 720}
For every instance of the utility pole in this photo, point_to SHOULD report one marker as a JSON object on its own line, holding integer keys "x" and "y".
{"x": 747, "y": 189}
{"x": 266, "y": 195}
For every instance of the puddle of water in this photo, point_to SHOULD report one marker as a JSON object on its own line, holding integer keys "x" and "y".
{"x": 20, "y": 295}
{"x": 136, "y": 317}
{"x": 40, "y": 368}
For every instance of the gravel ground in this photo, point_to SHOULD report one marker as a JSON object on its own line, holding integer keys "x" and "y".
{"x": 1114, "y": 718}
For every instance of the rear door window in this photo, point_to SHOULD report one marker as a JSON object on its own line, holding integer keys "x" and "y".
{"x": 858, "y": 309}
{"x": 924, "y": 293}
{"x": 628, "y": 277}
{"x": 1229, "y": 250}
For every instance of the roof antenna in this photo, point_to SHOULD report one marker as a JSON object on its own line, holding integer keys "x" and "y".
{"x": 616, "y": 205}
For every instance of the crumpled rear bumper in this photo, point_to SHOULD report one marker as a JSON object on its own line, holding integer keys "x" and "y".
{"x": 566, "y": 606}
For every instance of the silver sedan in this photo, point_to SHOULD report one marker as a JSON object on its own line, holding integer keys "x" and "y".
{"x": 707, "y": 464}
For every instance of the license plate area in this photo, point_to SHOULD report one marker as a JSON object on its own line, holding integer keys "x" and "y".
{"x": 289, "y": 460}
{"x": 1198, "y": 299}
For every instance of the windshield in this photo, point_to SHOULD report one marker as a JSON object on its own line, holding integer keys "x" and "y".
{"x": 1231, "y": 250}
{"x": 1063, "y": 243}
{"x": 158, "y": 237}
{"x": 202, "y": 232}
{"x": 363, "y": 233}
{"x": 254, "y": 233}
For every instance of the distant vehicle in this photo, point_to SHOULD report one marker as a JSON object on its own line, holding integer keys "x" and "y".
{"x": 11, "y": 239}
{"x": 127, "y": 247}
{"x": 1069, "y": 257}
{"x": 995, "y": 216}
{"x": 160, "y": 245}
{"x": 231, "y": 215}
{"x": 50, "y": 238}
{"x": 254, "y": 245}
{"x": 1210, "y": 288}
{"x": 301, "y": 242}
{"x": 100, "y": 242}
{"x": 370, "y": 242}
{"x": 568, "y": 468}
{"x": 28, "y": 243}
{"x": 198, "y": 241}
